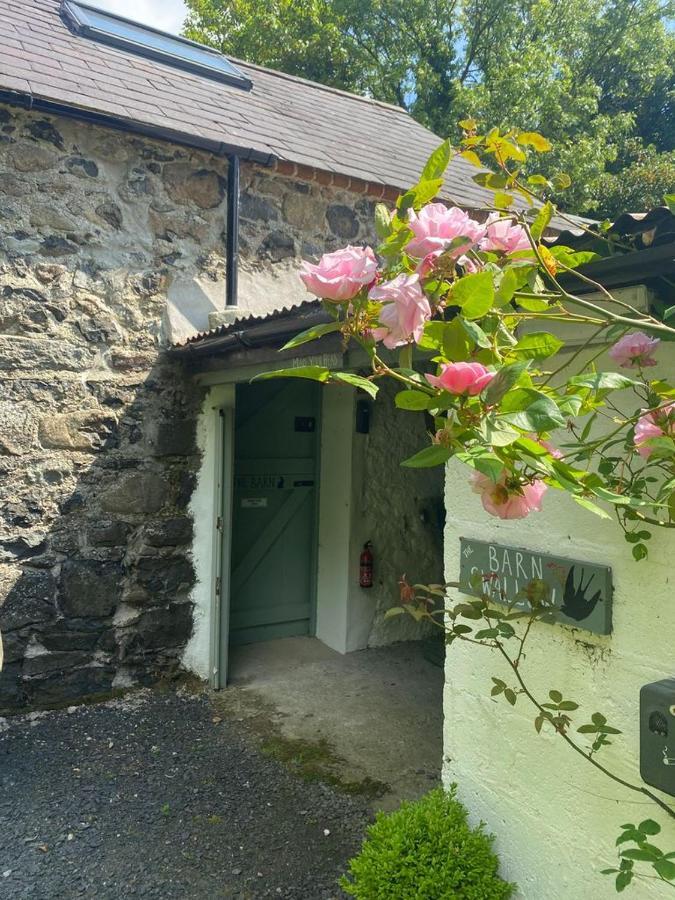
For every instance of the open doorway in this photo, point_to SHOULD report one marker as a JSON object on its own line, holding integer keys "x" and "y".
{"x": 274, "y": 511}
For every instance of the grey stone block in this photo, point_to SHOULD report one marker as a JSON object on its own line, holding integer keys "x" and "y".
{"x": 90, "y": 588}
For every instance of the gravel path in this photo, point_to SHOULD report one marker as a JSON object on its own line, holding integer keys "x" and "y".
{"x": 155, "y": 796}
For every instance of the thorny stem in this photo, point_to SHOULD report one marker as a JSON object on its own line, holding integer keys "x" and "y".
{"x": 568, "y": 740}
{"x": 574, "y": 356}
{"x": 647, "y": 323}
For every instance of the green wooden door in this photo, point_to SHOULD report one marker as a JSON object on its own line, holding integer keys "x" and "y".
{"x": 274, "y": 514}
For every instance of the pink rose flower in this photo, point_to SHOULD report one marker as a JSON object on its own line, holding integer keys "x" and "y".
{"x": 404, "y": 312}
{"x": 340, "y": 275}
{"x": 436, "y": 226}
{"x": 634, "y": 349}
{"x": 505, "y": 501}
{"x": 462, "y": 378}
{"x": 547, "y": 445}
{"x": 428, "y": 264}
{"x": 654, "y": 423}
{"x": 502, "y": 234}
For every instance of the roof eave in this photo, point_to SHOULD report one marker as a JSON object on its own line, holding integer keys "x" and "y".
{"x": 28, "y": 100}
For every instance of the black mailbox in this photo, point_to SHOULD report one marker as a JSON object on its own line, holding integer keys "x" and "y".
{"x": 657, "y": 734}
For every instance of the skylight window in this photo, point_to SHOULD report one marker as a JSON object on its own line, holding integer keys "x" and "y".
{"x": 178, "y": 52}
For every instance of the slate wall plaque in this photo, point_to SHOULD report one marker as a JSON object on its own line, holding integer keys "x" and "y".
{"x": 580, "y": 593}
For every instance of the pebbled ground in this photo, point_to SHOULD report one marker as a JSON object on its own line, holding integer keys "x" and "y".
{"x": 158, "y": 796}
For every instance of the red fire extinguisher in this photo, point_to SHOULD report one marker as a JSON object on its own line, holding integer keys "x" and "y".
{"x": 366, "y": 566}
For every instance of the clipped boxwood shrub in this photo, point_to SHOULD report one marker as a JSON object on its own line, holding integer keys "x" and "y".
{"x": 426, "y": 850}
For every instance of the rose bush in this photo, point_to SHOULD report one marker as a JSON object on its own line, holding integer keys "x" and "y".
{"x": 465, "y": 300}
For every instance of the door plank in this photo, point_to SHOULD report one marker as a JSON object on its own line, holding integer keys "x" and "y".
{"x": 267, "y": 538}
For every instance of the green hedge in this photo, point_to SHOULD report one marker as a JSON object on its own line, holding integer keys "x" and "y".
{"x": 426, "y": 851}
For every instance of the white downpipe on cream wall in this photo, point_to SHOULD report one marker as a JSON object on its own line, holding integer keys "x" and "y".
{"x": 554, "y": 816}
{"x": 203, "y": 508}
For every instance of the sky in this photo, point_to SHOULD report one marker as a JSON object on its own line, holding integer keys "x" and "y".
{"x": 167, "y": 15}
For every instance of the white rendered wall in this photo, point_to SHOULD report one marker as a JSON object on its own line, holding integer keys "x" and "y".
{"x": 203, "y": 508}
{"x": 554, "y": 816}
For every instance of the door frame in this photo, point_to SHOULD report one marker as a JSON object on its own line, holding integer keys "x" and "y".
{"x": 222, "y": 539}
{"x": 225, "y": 571}
{"x": 212, "y": 511}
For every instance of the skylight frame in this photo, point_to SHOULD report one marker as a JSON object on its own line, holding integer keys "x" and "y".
{"x": 85, "y": 21}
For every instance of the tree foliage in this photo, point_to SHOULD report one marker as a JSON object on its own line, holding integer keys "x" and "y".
{"x": 595, "y": 75}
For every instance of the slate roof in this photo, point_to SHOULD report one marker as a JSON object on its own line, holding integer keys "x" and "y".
{"x": 282, "y": 116}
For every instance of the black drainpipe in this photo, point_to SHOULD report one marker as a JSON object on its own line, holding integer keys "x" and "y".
{"x": 232, "y": 249}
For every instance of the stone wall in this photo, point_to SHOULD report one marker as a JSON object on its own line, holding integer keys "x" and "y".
{"x": 401, "y": 512}
{"x": 105, "y": 241}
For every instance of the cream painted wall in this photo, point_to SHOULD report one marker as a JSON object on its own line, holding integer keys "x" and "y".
{"x": 556, "y": 818}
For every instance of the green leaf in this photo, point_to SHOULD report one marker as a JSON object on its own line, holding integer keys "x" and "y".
{"x": 573, "y": 259}
{"x": 503, "y": 200}
{"x": 537, "y": 345}
{"x": 357, "y": 381}
{"x": 435, "y": 455}
{"x": 640, "y": 552}
{"x": 413, "y": 400}
{"x": 623, "y": 879}
{"x": 456, "y": 344}
{"x": 475, "y": 332}
{"x": 642, "y": 855}
{"x": 665, "y": 868}
{"x": 497, "y": 432}
{"x": 418, "y": 195}
{"x": 535, "y": 140}
{"x": 510, "y": 696}
{"x": 591, "y": 507}
{"x": 556, "y": 696}
{"x": 395, "y": 243}
{"x": 601, "y": 381}
{"x": 491, "y": 180}
{"x": 531, "y": 410}
{"x": 568, "y": 705}
{"x": 507, "y": 288}
{"x": 437, "y": 163}
{"x": 486, "y": 463}
{"x": 472, "y": 157}
{"x": 532, "y": 304}
{"x": 486, "y": 633}
{"x": 315, "y": 373}
{"x": 382, "y": 221}
{"x": 542, "y": 220}
{"x": 432, "y": 336}
{"x": 394, "y": 611}
{"x": 311, "y": 334}
{"x": 561, "y": 181}
{"x": 474, "y": 294}
{"x": 503, "y": 381}
{"x": 648, "y": 826}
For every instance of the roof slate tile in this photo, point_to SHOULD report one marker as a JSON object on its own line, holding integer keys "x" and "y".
{"x": 296, "y": 120}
